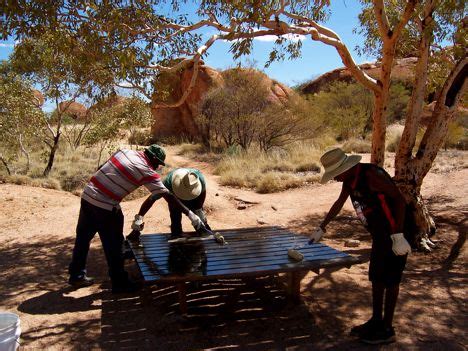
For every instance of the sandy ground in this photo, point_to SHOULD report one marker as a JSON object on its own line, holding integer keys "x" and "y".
{"x": 37, "y": 234}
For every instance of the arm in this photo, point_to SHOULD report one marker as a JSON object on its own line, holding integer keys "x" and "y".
{"x": 336, "y": 207}
{"x": 172, "y": 200}
{"x": 385, "y": 186}
{"x": 147, "y": 204}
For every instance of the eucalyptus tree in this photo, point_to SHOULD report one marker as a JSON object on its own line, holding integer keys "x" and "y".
{"x": 48, "y": 63}
{"x": 441, "y": 71}
{"x": 129, "y": 43}
{"x": 19, "y": 116}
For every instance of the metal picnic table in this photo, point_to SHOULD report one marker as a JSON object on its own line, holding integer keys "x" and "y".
{"x": 249, "y": 252}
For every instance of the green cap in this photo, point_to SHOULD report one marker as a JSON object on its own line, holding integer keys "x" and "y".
{"x": 156, "y": 152}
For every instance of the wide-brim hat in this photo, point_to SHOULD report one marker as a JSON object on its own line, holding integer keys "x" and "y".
{"x": 186, "y": 185}
{"x": 336, "y": 162}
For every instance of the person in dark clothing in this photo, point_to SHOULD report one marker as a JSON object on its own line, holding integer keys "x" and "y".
{"x": 189, "y": 186}
{"x": 381, "y": 208}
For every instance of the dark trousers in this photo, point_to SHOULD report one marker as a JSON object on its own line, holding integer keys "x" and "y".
{"x": 109, "y": 225}
{"x": 176, "y": 213}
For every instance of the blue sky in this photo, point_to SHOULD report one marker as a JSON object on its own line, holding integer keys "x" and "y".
{"x": 317, "y": 58}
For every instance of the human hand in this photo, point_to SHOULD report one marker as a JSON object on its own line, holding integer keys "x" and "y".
{"x": 316, "y": 235}
{"x": 400, "y": 245}
{"x": 138, "y": 223}
{"x": 197, "y": 223}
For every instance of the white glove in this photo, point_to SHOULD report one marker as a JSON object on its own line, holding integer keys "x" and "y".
{"x": 200, "y": 213}
{"x": 400, "y": 246}
{"x": 196, "y": 221}
{"x": 138, "y": 223}
{"x": 316, "y": 235}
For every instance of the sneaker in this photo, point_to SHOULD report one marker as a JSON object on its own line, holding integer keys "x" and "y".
{"x": 384, "y": 335}
{"x": 127, "y": 287}
{"x": 80, "y": 281}
{"x": 370, "y": 325}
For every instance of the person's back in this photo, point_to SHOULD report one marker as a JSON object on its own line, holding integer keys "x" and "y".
{"x": 373, "y": 208}
{"x": 125, "y": 171}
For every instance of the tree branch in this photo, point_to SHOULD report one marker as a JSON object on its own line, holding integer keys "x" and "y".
{"x": 381, "y": 17}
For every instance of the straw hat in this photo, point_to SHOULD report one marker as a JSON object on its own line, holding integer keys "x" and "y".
{"x": 185, "y": 184}
{"x": 336, "y": 162}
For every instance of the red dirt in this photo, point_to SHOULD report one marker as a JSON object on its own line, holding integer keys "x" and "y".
{"x": 37, "y": 230}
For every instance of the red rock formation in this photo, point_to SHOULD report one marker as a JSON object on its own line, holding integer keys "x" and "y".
{"x": 180, "y": 121}
{"x": 403, "y": 70}
{"x": 74, "y": 109}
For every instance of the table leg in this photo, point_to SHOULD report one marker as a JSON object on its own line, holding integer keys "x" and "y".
{"x": 294, "y": 286}
{"x": 182, "y": 288}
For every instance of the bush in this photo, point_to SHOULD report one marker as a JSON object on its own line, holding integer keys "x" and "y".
{"x": 392, "y": 145}
{"x": 309, "y": 167}
{"x": 273, "y": 171}
{"x": 74, "y": 182}
{"x": 357, "y": 145}
{"x": 140, "y": 137}
{"x": 47, "y": 183}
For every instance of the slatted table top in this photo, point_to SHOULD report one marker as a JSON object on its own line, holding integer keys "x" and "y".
{"x": 250, "y": 251}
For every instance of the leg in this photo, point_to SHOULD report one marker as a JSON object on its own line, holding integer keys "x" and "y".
{"x": 176, "y": 221}
{"x": 111, "y": 234}
{"x": 378, "y": 289}
{"x": 391, "y": 297}
{"x": 85, "y": 231}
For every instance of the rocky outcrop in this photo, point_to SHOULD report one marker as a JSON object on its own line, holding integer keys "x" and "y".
{"x": 403, "y": 70}
{"x": 180, "y": 121}
{"x": 73, "y": 109}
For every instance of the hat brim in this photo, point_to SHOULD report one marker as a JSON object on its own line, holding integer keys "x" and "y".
{"x": 350, "y": 161}
{"x": 182, "y": 192}
{"x": 160, "y": 161}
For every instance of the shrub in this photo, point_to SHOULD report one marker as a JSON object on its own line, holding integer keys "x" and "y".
{"x": 392, "y": 145}
{"x": 357, "y": 145}
{"x": 74, "y": 182}
{"x": 140, "y": 137}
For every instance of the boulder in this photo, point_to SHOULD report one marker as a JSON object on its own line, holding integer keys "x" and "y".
{"x": 74, "y": 109}
{"x": 403, "y": 70}
{"x": 180, "y": 121}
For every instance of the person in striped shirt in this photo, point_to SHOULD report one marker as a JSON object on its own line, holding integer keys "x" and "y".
{"x": 189, "y": 186}
{"x": 100, "y": 211}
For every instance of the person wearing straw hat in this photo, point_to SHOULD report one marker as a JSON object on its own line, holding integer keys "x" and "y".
{"x": 189, "y": 186}
{"x": 381, "y": 208}
{"x": 100, "y": 211}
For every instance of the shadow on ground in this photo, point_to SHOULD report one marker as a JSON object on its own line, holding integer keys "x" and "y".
{"x": 244, "y": 314}
{"x": 249, "y": 314}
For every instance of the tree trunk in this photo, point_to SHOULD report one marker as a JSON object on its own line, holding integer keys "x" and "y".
{"x": 24, "y": 151}
{"x": 53, "y": 150}
{"x": 6, "y": 165}
{"x": 410, "y": 171}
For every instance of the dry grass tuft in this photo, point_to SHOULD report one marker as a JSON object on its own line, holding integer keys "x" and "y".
{"x": 275, "y": 171}
{"x": 357, "y": 145}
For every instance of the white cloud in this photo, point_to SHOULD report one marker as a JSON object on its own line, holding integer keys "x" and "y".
{"x": 6, "y": 45}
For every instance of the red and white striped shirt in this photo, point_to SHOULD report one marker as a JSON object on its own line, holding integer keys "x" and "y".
{"x": 125, "y": 171}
